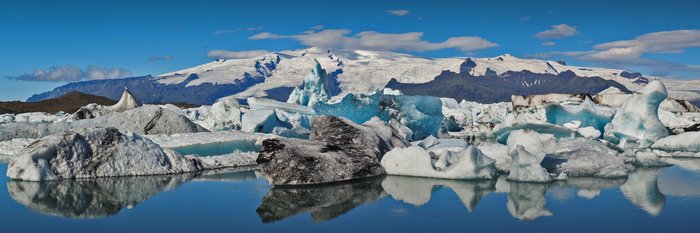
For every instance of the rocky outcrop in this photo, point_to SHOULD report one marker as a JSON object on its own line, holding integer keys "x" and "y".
{"x": 338, "y": 150}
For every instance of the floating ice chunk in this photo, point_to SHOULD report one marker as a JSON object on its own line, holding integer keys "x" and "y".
{"x": 648, "y": 158}
{"x": 126, "y": 102}
{"x": 421, "y": 114}
{"x": 526, "y": 166}
{"x": 533, "y": 142}
{"x": 39, "y": 117}
{"x": 589, "y": 132}
{"x": 580, "y": 157}
{"x": 498, "y": 152}
{"x": 638, "y": 117}
{"x": 586, "y": 113}
{"x": 686, "y": 142}
{"x": 642, "y": 190}
{"x": 259, "y": 121}
{"x": 223, "y": 115}
{"x": 358, "y": 108}
{"x": 467, "y": 163}
{"x": 314, "y": 88}
{"x": 105, "y": 152}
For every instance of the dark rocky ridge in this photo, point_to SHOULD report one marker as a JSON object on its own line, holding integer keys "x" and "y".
{"x": 494, "y": 88}
{"x": 69, "y": 102}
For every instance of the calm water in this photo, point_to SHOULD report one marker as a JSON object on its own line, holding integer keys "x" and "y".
{"x": 650, "y": 200}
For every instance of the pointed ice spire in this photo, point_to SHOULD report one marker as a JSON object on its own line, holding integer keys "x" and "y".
{"x": 127, "y": 102}
{"x": 313, "y": 89}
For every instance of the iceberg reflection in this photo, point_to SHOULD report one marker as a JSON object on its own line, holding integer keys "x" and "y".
{"x": 324, "y": 202}
{"x": 417, "y": 191}
{"x": 642, "y": 190}
{"x": 91, "y": 198}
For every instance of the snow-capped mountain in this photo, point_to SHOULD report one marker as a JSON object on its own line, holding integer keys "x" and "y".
{"x": 359, "y": 71}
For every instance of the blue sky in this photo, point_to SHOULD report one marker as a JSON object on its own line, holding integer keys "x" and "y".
{"x": 107, "y": 39}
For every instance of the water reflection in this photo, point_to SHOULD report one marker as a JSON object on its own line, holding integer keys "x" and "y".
{"x": 91, "y": 198}
{"x": 642, "y": 190}
{"x": 324, "y": 202}
{"x": 417, "y": 191}
{"x": 646, "y": 188}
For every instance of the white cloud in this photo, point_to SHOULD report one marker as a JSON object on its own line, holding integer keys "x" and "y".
{"x": 548, "y": 43}
{"x": 557, "y": 32}
{"x": 371, "y": 40}
{"x": 626, "y": 53}
{"x": 71, "y": 73}
{"x": 160, "y": 58}
{"x": 398, "y": 12}
{"x": 225, "y": 54}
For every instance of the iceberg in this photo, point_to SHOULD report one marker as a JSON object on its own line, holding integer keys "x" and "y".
{"x": 587, "y": 113}
{"x": 106, "y": 152}
{"x": 225, "y": 114}
{"x": 526, "y": 166}
{"x": 421, "y": 114}
{"x": 467, "y": 163}
{"x": 541, "y": 154}
{"x": 314, "y": 88}
{"x": 684, "y": 142}
{"x": 638, "y": 120}
{"x": 126, "y": 102}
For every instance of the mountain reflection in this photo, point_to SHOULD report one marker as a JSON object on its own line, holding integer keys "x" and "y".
{"x": 324, "y": 202}
{"x": 91, "y": 198}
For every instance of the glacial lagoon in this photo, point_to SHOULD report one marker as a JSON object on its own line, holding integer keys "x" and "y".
{"x": 649, "y": 200}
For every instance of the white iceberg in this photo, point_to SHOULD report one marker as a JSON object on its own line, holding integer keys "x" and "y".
{"x": 106, "y": 152}
{"x": 684, "y": 142}
{"x": 450, "y": 163}
{"x": 638, "y": 120}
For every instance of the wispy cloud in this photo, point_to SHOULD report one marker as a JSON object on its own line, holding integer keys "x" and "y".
{"x": 225, "y": 54}
{"x": 548, "y": 43}
{"x": 160, "y": 58}
{"x": 625, "y": 53}
{"x": 525, "y": 18}
{"x": 398, "y": 12}
{"x": 372, "y": 40}
{"x": 226, "y": 31}
{"x": 557, "y": 32}
{"x": 71, "y": 73}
